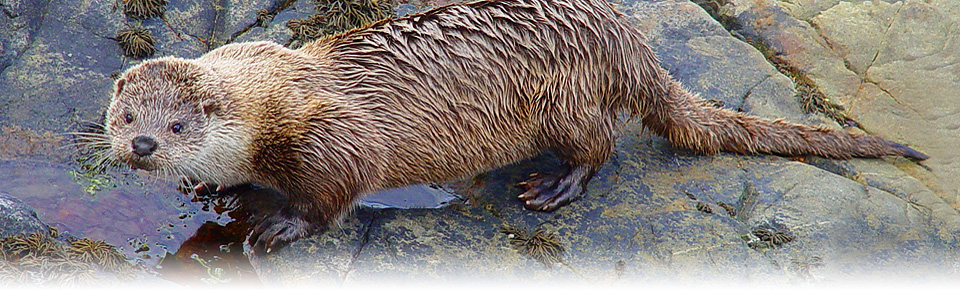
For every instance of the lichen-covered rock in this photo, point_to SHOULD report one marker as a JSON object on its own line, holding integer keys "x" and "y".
{"x": 18, "y": 218}
{"x": 892, "y": 64}
{"x": 18, "y": 23}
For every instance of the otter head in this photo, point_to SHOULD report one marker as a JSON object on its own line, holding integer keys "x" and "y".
{"x": 161, "y": 116}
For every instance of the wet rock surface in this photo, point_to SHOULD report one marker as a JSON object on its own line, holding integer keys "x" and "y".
{"x": 654, "y": 213}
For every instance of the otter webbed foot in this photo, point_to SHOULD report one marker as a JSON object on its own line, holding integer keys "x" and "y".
{"x": 276, "y": 230}
{"x": 548, "y": 192}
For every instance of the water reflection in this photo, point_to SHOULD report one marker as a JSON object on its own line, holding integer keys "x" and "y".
{"x": 187, "y": 237}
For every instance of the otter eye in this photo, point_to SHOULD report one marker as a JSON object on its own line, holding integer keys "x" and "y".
{"x": 176, "y": 127}
{"x": 128, "y": 118}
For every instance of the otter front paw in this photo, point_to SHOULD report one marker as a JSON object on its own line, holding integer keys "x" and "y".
{"x": 277, "y": 230}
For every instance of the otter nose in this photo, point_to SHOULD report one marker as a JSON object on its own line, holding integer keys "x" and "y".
{"x": 144, "y": 145}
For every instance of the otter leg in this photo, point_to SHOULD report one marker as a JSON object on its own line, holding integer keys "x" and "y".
{"x": 297, "y": 215}
{"x": 585, "y": 146}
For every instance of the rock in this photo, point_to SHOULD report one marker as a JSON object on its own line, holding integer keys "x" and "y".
{"x": 276, "y": 30}
{"x": 19, "y": 22}
{"x": 64, "y": 69}
{"x": 897, "y": 58}
{"x": 644, "y": 217}
{"x": 18, "y": 218}
{"x": 653, "y": 213}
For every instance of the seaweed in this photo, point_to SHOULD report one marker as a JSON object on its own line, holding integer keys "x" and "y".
{"x": 136, "y": 42}
{"x": 41, "y": 259}
{"x": 143, "y": 9}
{"x": 541, "y": 246}
{"x": 335, "y": 16}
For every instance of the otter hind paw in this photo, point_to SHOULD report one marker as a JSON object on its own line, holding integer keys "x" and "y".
{"x": 546, "y": 192}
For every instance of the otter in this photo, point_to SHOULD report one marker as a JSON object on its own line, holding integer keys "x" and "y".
{"x": 434, "y": 96}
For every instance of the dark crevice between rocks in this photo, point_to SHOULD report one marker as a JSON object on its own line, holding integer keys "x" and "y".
{"x": 364, "y": 240}
{"x": 721, "y": 11}
{"x": 743, "y": 100}
{"x": 216, "y": 38}
{"x": 747, "y": 202}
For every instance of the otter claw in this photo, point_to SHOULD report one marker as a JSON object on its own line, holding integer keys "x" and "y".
{"x": 200, "y": 187}
{"x": 277, "y": 230}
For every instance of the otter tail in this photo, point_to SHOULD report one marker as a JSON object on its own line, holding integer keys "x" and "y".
{"x": 687, "y": 122}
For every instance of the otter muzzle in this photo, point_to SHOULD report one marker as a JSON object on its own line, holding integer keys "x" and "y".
{"x": 143, "y": 146}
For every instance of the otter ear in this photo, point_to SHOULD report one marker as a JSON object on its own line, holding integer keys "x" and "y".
{"x": 119, "y": 86}
{"x": 209, "y": 107}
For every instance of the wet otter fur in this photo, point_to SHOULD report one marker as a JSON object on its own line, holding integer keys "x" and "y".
{"x": 434, "y": 96}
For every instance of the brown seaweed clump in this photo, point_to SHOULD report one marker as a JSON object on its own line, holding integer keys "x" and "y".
{"x": 143, "y": 9}
{"x": 264, "y": 17}
{"x": 343, "y": 15}
{"x": 704, "y": 207}
{"x": 98, "y": 252}
{"x": 308, "y": 28}
{"x": 334, "y": 16}
{"x": 541, "y": 246}
{"x": 41, "y": 259}
{"x": 136, "y": 42}
{"x": 770, "y": 238}
{"x": 729, "y": 208}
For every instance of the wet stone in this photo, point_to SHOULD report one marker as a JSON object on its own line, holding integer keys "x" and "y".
{"x": 889, "y": 63}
